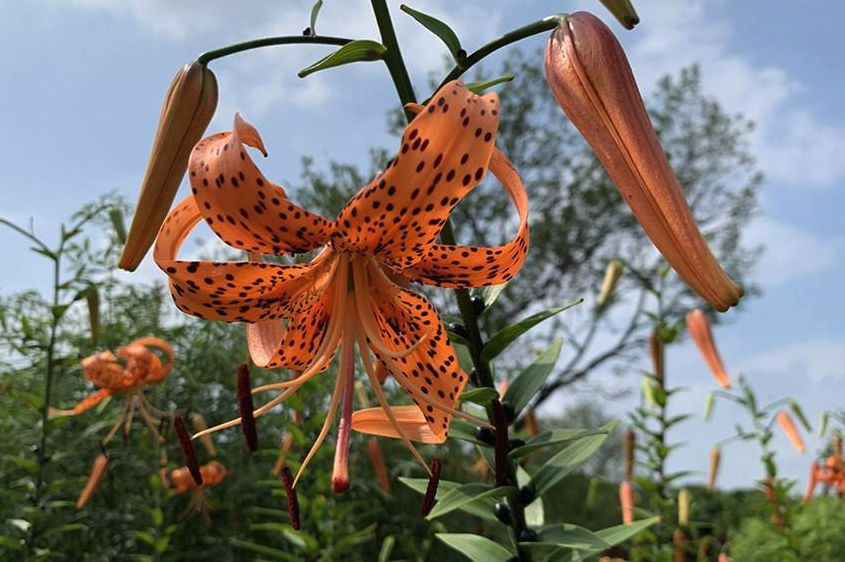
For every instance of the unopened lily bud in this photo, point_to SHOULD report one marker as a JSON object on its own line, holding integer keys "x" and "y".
{"x": 655, "y": 347}
{"x": 611, "y": 278}
{"x": 837, "y": 445}
{"x": 626, "y": 501}
{"x": 92, "y": 298}
{"x": 709, "y": 402}
{"x": 788, "y": 427}
{"x": 98, "y": 470}
{"x": 187, "y": 111}
{"x": 630, "y": 453}
{"x": 623, "y": 11}
{"x": 699, "y": 330}
{"x": 683, "y": 507}
{"x": 593, "y": 83}
{"x": 198, "y": 421}
{"x": 812, "y": 481}
{"x": 713, "y": 473}
{"x": 679, "y": 541}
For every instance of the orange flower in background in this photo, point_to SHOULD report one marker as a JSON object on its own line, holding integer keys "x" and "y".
{"x": 181, "y": 482}
{"x": 699, "y": 330}
{"x": 134, "y": 366}
{"x": 354, "y": 291}
{"x": 791, "y": 431}
{"x": 626, "y": 501}
{"x": 589, "y": 75}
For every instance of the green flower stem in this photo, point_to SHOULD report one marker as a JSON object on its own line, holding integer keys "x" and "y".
{"x": 209, "y": 56}
{"x": 393, "y": 57}
{"x": 546, "y": 24}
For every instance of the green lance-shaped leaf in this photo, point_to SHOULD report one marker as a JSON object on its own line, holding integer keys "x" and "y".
{"x": 440, "y": 29}
{"x": 623, "y": 11}
{"x": 117, "y": 222}
{"x": 479, "y": 507}
{"x": 611, "y": 536}
{"x": 479, "y": 88}
{"x": 709, "y": 403}
{"x": 355, "y": 51}
{"x": 466, "y": 494}
{"x": 563, "y": 535}
{"x": 825, "y": 419}
{"x": 648, "y": 391}
{"x": 556, "y": 437}
{"x": 568, "y": 460}
{"x": 489, "y": 294}
{"x": 506, "y": 336}
{"x": 482, "y": 395}
{"x": 386, "y": 548}
{"x": 315, "y": 11}
{"x": 535, "y": 512}
{"x": 475, "y": 547}
{"x": 530, "y": 381}
{"x": 799, "y": 413}
{"x": 92, "y": 297}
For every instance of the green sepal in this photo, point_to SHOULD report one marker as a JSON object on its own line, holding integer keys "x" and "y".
{"x": 359, "y": 50}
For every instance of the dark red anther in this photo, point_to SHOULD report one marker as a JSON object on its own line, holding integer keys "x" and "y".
{"x": 293, "y": 501}
{"x": 431, "y": 489}
{"x": 501, "y": 446}
{"x": 245, "y": 408}
{"x": 187, "y": 449}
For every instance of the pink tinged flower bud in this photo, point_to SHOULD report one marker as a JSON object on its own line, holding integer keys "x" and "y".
{"x": 593, "y": 83}
{"x": 812, "y": 482}
{"x": 788, "y": 427}
{"x": 626, "y": 501}
{"x": 699, "y": 330}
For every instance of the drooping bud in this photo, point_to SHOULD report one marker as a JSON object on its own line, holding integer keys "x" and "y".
{"x": 98, "y": 470}
{"x": 683, "y": 507}
{"x": 623, "y": 11}
{"x": 245, "y": 408}
{"x": 655, "y": 347}
{"x": 713, "y": 473}
{"x": 92, "y": 299}
{"x": 199, "y": 424}
{"x": 630, "y": 453}
{"x": 188, "y": 451}
{"x": 431, "y": 489}
{"x": 788, "y": 427}
{"x": 377, "y": 460}
{"x": 626, "y": 501}
{"x": 699, "y": 330}
{"x": 812, "y": 481}
{"x": 293, "y": 499}
{"x": 187, "y": 111}
{"x": 679, "y": 541}
{"x": 589, "y": 75}
{"x": 501, "y": 446}
{"x": 611, "y": 278}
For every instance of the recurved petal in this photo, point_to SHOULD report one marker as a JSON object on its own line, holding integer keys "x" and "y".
{"x": 444, "y": 154}
{"x": 375, "y": 421}
{"x": 474, "y": 266}
{"x": 593, "y": 83}
{"x": 232, "y": 291}
{"x": 104, "y": 371}
{"x": 245, "y": 209}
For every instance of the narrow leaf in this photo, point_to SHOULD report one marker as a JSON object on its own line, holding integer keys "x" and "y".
{"x": 465, "y": 494}
{"x": 482, "y": 395}
{"x": 355, "y": 51}
{"x": 490, "y": 293}
{"x": 315, "y": 11}
{"x": 479, "y": 88}
{"x": 567, "y": 460}
{"x": 799, "y": 413}
{"x": 506, "y": 336}
{"x": 567, "y": 536}
{"x": 530, "y": 381}
{"x": 476, "y": 548}
{"x": 557, "y": 437}
{"x": 440, "y": 29}
{"x": 116, "y": 217}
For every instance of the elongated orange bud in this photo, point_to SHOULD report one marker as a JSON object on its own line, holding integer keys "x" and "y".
{"x": 611, "y": 278}
{"x": 715, "y": 460}
{"x": 198, "y": 421}
{"x": 589, "y": 75}
{"x": 187, "y": 111}
{"x": 630, "y": 453}
{"x": 788, "y": 427}
{"x": 723, "y": 557}
{"x": 98, "y": 470}
{"x": 679, "y": 541}
{"x": 626, "y": 501}
{"x": 655, "y": 347}
{"x": 699, "y": 330}
{"x": 531, "y": 425}
{"x": 812, "y": 481}
{"x": 377, "y": 460}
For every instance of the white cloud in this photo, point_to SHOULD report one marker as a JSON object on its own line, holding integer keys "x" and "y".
{"x": 815, "y": 360}
{"x": 790, "y": 252}
{"x": 794, "y": 147}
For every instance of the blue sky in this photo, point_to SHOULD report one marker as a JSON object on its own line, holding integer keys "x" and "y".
{"x": 83, "y": 80}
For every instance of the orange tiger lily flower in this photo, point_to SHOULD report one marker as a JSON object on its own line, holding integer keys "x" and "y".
{"x": 134, "y": 366}
{"x": 182, "y": 482}
{"x": 354, "y": 292}
{"x": 592, "y": 81}
{"x": 699, "y": 330}
{"x": 788, "y": 427}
